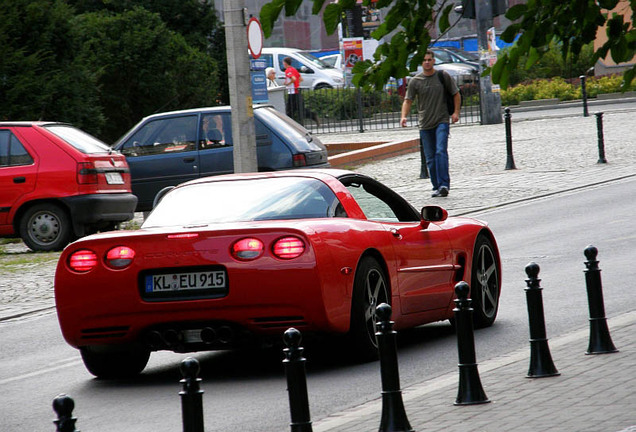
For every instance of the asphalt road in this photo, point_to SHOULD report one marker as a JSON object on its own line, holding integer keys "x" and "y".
{"x": 247, "y": 391}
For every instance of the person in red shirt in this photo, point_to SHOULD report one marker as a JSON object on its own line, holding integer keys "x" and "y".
{"x": 295, "y": 107}
{"x": 292, "y": 82}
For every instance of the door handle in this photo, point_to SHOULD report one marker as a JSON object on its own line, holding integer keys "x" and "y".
{"x": 188, "y": 159}
{"x": 396, "y": 233}
{"x": 19, "y": 179}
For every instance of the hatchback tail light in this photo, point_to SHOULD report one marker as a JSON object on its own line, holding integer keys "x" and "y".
{"x": 247, "y": 249}
{"x": 299, "y": 160}
{"x": 120, "y": 257}
{"x": 288, "y": 247}
{"x": 82, "y": 261}
{"x": 86, "y": 173}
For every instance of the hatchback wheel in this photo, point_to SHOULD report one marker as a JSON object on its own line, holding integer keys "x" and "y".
{"x": 45, "y": 227}
{"x": 485, "y": 283}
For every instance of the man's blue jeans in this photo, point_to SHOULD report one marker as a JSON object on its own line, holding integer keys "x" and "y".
{"x": 435, "y": 143}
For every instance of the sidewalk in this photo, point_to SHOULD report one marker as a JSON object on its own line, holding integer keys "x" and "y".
{"x": 593, "y": 393}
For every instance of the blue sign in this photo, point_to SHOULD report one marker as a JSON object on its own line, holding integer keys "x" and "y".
{"x": 259, "y": 87}
{"x": 258, "y": 64}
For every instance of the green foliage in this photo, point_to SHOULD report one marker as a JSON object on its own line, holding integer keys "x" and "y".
{"x": 552, "y": 64}
{"x": 103, "y": 65}
{"x": 572, "y": 23}
{"x": 345, "y": 106}
{"x": 142, "y": 67}
{"x": 39, "y": 75}
{"x": 558, "y": 88}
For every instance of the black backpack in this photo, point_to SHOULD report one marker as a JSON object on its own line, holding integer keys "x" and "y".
{"x": 450, "y": 101}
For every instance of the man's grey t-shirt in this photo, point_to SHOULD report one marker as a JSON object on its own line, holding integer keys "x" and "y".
{"x": 431, "y": 101}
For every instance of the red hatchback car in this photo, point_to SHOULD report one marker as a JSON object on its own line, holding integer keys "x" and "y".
{"x": 226, "y": 261}
{"x": 58, "y": 183}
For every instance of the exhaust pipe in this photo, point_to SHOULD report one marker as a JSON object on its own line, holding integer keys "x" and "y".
{"x": 154, "y": 340}
{"x": 225, "y": 334}
{"x": 208, "y": 335}
{"x": 171, "y": 337}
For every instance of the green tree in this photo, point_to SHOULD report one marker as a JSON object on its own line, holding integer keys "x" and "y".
{"x": 142, "y": 66}
{"x": 195, "y": 20}
{"x": 572, "y": 23}
{"x": 40, "y": 78}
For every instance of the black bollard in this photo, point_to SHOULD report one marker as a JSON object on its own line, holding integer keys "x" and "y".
{"x": 294, "y": 363}
{"x": 510, "y": 161}
{"x": 63, "y": 406}
{"x": 191, "y": 396}
{"x": 600, "y": 340}
{"x": 601, "y": 141}
{"x": 584, "y": 96}
{"x": 470, "y": 390}
{"x": 393, "y": 413}
{"x": 541, "y": 364}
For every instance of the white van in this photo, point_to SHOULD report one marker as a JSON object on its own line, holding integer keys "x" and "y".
{"x": 315, "y": 73}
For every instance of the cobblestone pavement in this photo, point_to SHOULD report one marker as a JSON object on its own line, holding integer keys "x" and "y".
{"x": 593, "y": 393}
{"x": 552, "y": 155}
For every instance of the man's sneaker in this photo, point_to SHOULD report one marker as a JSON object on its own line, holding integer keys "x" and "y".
{"x": 443, "y": 191}
{"x": 435, "y": 194}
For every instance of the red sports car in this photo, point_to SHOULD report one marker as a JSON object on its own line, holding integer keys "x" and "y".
{"x": 229, "y": 260}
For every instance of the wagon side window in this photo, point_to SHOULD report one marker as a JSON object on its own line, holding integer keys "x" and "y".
{"x": 167, "y": 135}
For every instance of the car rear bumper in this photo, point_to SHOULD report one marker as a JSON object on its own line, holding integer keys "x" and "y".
{"x": 98, "y": 208}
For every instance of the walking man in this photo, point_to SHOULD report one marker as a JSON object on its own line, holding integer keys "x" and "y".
{"x": 429, "y": 88}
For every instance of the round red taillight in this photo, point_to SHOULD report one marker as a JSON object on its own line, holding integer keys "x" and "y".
{"x": 82, "y": 261}
{"x": 247, "y": 249}
{"x": 288, "y": 247}
{"x": 120, "y": 257}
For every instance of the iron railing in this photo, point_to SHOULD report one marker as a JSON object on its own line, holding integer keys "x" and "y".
{"x": 352, "y": 109}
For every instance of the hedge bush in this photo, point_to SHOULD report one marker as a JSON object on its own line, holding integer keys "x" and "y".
{"x": 559, "y": 88}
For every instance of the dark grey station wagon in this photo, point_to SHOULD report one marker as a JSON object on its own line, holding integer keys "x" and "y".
{"x": 170, "y": 148}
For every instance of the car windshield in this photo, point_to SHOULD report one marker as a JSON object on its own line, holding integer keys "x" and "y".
{"x": 245, "y": 200}
{"x": 79, "y": 139}
{"x": 314, "y": 60}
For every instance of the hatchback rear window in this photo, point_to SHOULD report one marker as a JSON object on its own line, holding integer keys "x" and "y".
{"x": 82, "y": 141}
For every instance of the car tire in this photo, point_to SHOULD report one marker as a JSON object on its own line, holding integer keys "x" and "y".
{"x": 322, "y": 86}
{"x": 115, "y": 362}
{"x": 485, "y": 283}
{"x": 369, "y": 290}
{"x": 46, "y": 227}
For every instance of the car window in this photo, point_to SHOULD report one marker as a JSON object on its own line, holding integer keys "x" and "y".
{"x": 246, "y": 200}
{"x": 373, "y": 207}
{"x": 216, "y": 130}
{"x": 268, "y": 58}
{"x": 442, "y": 57}
{"x": 12, "y": 152}
{"x": 295, "y": 63}
{"x": 79, "y": 139}
{"x": 378, "y": 202}
{"x": 165, "y": 135}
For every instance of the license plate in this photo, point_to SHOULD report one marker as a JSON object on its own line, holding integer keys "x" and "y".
{"x": 172, "y": 282}
{"x": 114, "y": 178}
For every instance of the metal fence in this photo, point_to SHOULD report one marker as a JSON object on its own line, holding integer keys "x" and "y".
{"x": 351, "y": 109}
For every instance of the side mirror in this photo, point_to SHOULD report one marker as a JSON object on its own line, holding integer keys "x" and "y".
{"x": 305, "y": 69}
{"x": 434, "y": 214}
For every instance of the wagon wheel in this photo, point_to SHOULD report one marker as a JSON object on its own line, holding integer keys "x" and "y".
{"x": 485, "y": 283}
{"x": 370, "y": 289}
